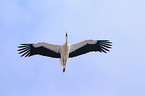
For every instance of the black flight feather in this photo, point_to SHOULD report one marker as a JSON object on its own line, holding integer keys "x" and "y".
{"x": 28, "y": 50}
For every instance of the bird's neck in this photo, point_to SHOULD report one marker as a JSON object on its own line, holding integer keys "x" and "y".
{"x": 66, "y": 42}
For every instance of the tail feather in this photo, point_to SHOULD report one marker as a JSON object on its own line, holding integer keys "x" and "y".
{"x": 61, "y": 61}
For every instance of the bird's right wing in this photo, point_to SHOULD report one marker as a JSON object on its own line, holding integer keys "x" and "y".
{"x": 88, "y": 46}
{"x": 44, "y": 49}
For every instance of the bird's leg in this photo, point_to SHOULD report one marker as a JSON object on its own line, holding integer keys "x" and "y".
{"x": 64, "y": 63}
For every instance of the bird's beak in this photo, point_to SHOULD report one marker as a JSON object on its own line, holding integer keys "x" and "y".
{"x": 66, "y": 34}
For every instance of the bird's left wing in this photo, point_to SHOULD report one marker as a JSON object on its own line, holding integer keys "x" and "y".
{"x": 88, "y": 46}
{"x": 43, "y": 48}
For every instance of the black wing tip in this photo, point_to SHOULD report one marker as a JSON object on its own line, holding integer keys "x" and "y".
{"x": 105, "y": 45}
{"x": 24, "y": 50}
{"x": 105, "y": 41}
{"x": 25, "y": 54}
{"x": 105, "y": 49}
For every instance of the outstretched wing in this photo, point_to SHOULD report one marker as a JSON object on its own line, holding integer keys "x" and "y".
{"x": 88, "y": 46}
{"x": 44, "y": 49}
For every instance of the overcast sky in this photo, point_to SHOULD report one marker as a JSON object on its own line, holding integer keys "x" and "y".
{"x": 121, "y": 72}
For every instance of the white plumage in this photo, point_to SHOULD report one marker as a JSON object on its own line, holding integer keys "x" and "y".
{"x": 65, "y": 51}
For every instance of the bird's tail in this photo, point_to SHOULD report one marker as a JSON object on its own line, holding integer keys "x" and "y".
{"x": 61, "y": 61}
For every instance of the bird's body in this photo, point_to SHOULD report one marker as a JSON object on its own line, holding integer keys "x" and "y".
{"x": 65, "y": 51}
{"x": 64, "y": 55}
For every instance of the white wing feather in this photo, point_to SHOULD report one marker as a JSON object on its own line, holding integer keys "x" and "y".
{"x": 55, "y": 48}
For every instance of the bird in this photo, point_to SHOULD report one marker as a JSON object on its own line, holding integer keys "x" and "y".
{"x": 65, "y": 51}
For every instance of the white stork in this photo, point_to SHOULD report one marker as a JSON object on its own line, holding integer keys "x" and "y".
{"x": 65, "y": 51}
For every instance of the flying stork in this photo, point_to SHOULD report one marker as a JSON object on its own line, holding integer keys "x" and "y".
{"x": 65, "y": 51}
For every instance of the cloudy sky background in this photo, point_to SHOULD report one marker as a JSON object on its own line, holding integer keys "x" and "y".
{"x": 120, "y": 72}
